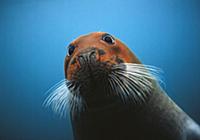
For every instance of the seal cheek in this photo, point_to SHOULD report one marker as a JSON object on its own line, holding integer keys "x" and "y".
{"x": 71, "y": 70}
{"x": 71, "y": 66}
{"x": 116, "y": 49}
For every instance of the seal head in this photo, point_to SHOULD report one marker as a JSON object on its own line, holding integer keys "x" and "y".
{"x": 89, "y": 64}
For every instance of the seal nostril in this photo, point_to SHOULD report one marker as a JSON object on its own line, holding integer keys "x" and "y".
{"x": 81, "y": 60}
{"x": 87, "y": 57}
{"x": 93, "y": 55}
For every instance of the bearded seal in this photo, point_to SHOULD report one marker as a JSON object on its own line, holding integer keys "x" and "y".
{"x": 111, "y": 95}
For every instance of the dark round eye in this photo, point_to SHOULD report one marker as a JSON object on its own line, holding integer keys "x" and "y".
{"x": 108, "y": 38}
{"x": 71, "y": 49}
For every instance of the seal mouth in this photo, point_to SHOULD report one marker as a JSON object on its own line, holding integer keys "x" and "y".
{"x": 105, "y": 84}
{"x": 92, "y": 76}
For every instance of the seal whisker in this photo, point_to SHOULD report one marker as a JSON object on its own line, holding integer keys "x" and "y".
{"x": 147, "y": 71}
{"x": 77, "y": 103}
{"x": 136, "y": 89}
{"x": 123, "y": 87}
{"x": 58, "y": 98}
{"x": 119, "y": 86}
{"x": 61, "y": 98}
{"x": 131, "y": 88}
{"x": 134, "y": 80}
{"x": 54, "y": 86}
{"x": 112, "y": 84}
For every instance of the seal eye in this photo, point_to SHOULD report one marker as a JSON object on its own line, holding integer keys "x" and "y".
{"x": 71, "y": 49}
{"x": 108, "y": 38}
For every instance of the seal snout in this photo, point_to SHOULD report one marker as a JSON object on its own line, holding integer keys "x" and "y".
{"x": 87, "y": 57}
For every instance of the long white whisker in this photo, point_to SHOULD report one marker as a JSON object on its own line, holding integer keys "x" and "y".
{"x": 120, "y": 86}
{"x": 60, "y": 98}
{"x": 132, "y": 87}
{"x": 135, "y": 80}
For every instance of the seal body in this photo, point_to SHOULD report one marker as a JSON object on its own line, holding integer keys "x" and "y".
{"x": 107, "y": 115}
{"x": 158, "y": 119}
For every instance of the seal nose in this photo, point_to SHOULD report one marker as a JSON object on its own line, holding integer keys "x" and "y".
{"x": 87, "y": 56}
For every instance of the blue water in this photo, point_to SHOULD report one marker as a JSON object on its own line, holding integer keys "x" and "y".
{"x": 33, "y": 39}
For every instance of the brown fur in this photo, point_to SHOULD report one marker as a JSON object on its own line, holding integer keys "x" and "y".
{"x": 112, "y": 52}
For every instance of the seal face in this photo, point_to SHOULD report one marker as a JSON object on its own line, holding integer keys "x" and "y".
{"x": 111, "y": 95}
{"x": 89, "y": 65}
{"x": 99, "y": 47}
{"x": 103, "y": 70}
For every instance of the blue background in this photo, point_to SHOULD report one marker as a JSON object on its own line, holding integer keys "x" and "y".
{"x": 33, "y": 39}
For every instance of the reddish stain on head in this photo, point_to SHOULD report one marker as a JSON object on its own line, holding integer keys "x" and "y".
{"x": 106, "y": 48}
